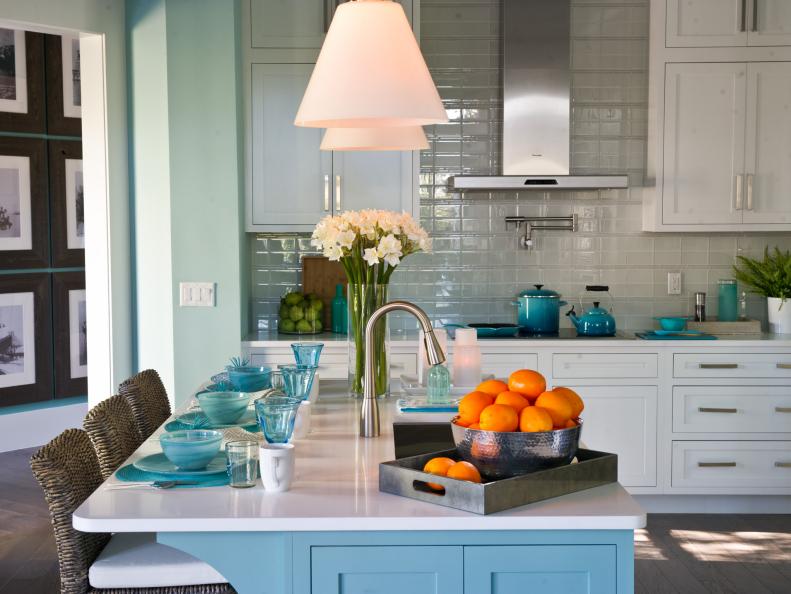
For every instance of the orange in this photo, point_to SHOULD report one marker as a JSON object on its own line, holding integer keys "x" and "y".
{"x": 499, "y": 417}
{"x": 535, "y": 419}
{"x": 577, "y": 406}
{"x": 527, "y": 382}
{"x": 464, "y": 471}
{"x": 492, "y": 386}
{"x": 472, "y": 404}
{"x": 570, "y": 423}
{"x": 557, "y": 405}
{"x": 512, "y": 399}
{"x": 461, "y": 422}
{"x": 475, "y": 426}
{"x": 440, "y": 467}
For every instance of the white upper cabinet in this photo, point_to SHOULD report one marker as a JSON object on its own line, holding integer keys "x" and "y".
{"x": 728, "y": 23}
{"x": 706, "y": 23}
{"x": 704, "y": 144}
{"x": 768, "y": 146}
{"x": 289, "y": 23}
{"x": 367, "y": 179}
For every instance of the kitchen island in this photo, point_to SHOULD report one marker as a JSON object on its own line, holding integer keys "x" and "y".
{"x": 334, "y": 531}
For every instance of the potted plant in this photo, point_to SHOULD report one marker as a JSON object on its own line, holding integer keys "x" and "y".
{"x": 770, "y": 277}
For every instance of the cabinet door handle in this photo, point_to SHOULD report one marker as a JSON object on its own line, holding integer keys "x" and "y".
{"x": 718, "y": 365}
{"x": 709, "y": 409}
{"x": 326, "y": 193}
{"x": 338, "y": 192}
{"x": 783, "y": 409}
{"x": 743, "y": 18}
{"x": 782, "y": 464}
{"x": 754, "y": 28}
{"x": 716, "y": 464}
{"x": 783, "y": 365}
{"x": 739, "y": 184}
{"x": 750, "y": 177}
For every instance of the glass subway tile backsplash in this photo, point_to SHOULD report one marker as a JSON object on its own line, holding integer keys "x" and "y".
{"x": 477, "y": 266}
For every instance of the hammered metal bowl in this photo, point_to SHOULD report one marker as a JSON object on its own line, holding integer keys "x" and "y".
{"x": 501, "y": 455}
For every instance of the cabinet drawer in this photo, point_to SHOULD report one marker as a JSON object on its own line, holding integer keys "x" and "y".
{"x": 748, "y": 464}
{"x": 723, "y": 365}
{"x": 331, "y": 365}
{"x": 732, "y": 409}
{"x": 401, "y": 363}
{"x": 505, "y": 363}
{"x": 595, "y": 366}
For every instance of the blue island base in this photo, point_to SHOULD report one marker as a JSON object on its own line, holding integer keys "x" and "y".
{"x": 429, "y": 562}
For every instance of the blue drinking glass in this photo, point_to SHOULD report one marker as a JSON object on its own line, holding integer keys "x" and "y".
{"x": 297, "y": 380}
{"x": 307, "y": 353}
{"x": 276, "y": 415}
{"x": 277, "y": 381}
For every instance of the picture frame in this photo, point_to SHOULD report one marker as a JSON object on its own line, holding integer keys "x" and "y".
{"x": 22, "y": 81}
{"x": 25, "y": 339}
{"x": 66, "y": 208}
{"x": 64, "y": 97}
{"x": 24, "y": 216}
{"x": 70, "y": 339}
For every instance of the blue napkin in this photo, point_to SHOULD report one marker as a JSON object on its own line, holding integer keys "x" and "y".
{"x": 129, "y": 473}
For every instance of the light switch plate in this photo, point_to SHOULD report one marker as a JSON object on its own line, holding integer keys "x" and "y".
{"x": 197, "y": 294}
{"x": 674, "y": 283}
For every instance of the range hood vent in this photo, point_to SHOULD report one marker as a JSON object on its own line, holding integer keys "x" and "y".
{"x": 537, "y": 104}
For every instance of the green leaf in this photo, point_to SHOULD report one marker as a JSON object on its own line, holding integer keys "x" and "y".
{"x": 770, "y": 276}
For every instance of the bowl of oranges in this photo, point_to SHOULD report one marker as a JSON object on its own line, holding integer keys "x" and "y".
{"x": 508, "y": 428}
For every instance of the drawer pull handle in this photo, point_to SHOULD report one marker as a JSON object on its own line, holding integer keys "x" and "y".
{"x": 718, "y": 365}
{"x": 783, "y": 409}
{"x": 716, "y": 464}
{"x": 708, "y": 409}
{"x": 783, "y": 365}
{"x": 782, "y": 464}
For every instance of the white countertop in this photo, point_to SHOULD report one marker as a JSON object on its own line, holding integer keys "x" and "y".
{"x": 336, "y": 489}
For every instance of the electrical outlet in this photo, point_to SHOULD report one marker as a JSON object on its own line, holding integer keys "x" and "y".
{"x": 674, "y": 283}
{"x": 196, "y": 294}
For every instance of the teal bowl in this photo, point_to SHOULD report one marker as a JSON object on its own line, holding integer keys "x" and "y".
{"x": 672, "y": 323}
{"x": 191, "y": 449}
{"x": 223, "y": 408}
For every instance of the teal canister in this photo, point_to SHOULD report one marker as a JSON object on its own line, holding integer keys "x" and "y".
{"x": 340, "y": 311}
{"x": 727, "y": 300}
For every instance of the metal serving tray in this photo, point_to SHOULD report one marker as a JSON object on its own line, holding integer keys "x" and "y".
{"x": 405, "y": 477}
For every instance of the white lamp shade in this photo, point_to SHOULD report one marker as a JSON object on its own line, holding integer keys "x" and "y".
{"x": 400, "y": 138}
{"x": 370, "y": 73}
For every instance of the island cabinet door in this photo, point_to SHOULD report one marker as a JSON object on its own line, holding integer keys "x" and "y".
{"x": 387, "y": 570}
{"x": 570, "y": 569}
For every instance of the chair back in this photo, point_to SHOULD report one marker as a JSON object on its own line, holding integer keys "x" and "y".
{"x": 112, "y": 429}
{"x": 68, "y": 471}
{"x": 148, "y": 399}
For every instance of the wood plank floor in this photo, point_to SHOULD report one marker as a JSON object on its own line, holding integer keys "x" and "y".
{"x": 675, "y": 554}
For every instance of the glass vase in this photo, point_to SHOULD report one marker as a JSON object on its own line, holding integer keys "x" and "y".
{"x": 363, "y": 301}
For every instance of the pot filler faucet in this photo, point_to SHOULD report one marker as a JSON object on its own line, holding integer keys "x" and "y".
{"x": 369, "y": 416}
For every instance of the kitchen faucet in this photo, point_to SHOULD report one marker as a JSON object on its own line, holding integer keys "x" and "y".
{"x": 369, "y": 416}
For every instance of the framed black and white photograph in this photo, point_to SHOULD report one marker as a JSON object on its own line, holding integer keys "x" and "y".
{"x": 24, "y": 229}
{"x": 64, "y": 96}
{"x": 25, "y": 339}
{"x": 67, "y": 210}
{"x": 71, "y": 334}
{"x": 21, "y": 81}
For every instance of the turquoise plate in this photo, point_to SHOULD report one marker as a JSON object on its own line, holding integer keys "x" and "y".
{"x": 161, "y": 465}
{"x": 189, "y": 420}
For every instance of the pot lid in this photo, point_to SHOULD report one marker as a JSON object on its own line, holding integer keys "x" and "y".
{"x": 597, "y": 311}
{"x": 539, "y": 292}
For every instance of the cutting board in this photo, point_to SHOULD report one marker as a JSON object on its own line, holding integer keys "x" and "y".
{"x": 320, "y": 275}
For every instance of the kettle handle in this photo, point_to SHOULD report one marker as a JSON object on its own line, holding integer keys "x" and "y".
{"x": 571, "y": 311}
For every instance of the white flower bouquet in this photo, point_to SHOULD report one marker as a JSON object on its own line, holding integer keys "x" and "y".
{"x": 370, "y": 244}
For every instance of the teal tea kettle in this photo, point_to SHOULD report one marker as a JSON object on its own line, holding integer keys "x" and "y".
{"x": 596, "y": 321}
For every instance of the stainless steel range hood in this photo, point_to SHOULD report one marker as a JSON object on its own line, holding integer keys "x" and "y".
{"x": 536, "y": 104}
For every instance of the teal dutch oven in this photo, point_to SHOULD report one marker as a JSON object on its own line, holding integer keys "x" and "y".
{"x": 539, "y": 311}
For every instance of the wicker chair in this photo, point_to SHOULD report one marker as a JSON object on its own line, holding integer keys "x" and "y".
{"x": 68, "y": 471}
{"x": 148, "y": 399}
{"x": 113, "y": 432}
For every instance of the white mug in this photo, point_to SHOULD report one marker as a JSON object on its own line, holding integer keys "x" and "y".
{"x": 302, "y": 422}
{"x": 276, "y": 461}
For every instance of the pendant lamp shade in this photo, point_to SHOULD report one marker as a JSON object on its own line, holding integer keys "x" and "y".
{"x": 370, "y": 73}
{"x": 394, "y": 138}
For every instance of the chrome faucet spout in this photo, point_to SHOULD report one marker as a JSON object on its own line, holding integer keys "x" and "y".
{"x": 369, "y": 415}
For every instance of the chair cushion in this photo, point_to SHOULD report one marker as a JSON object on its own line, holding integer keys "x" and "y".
{"x": 137, "y": 560}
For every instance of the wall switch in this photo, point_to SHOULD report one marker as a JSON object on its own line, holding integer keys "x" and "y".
{"x": 674, "y": 283}
{"x": 197, "y": 294}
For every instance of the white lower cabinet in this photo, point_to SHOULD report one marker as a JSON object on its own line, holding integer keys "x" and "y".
{"x": 623, "y": 420}
{"x": 502, "y": 364}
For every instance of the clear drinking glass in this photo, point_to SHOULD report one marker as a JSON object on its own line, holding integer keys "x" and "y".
{"x": 276, "y": 414}
{"x": 307, "y": 353}
{"x": 297, "y": 380}
{"x": 241, "y": 463}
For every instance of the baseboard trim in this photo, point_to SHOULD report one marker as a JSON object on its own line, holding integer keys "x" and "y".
{"x": 34, "y": 428}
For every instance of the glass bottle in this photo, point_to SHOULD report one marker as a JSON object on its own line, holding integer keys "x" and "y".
{"x": 438, "y": 384}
